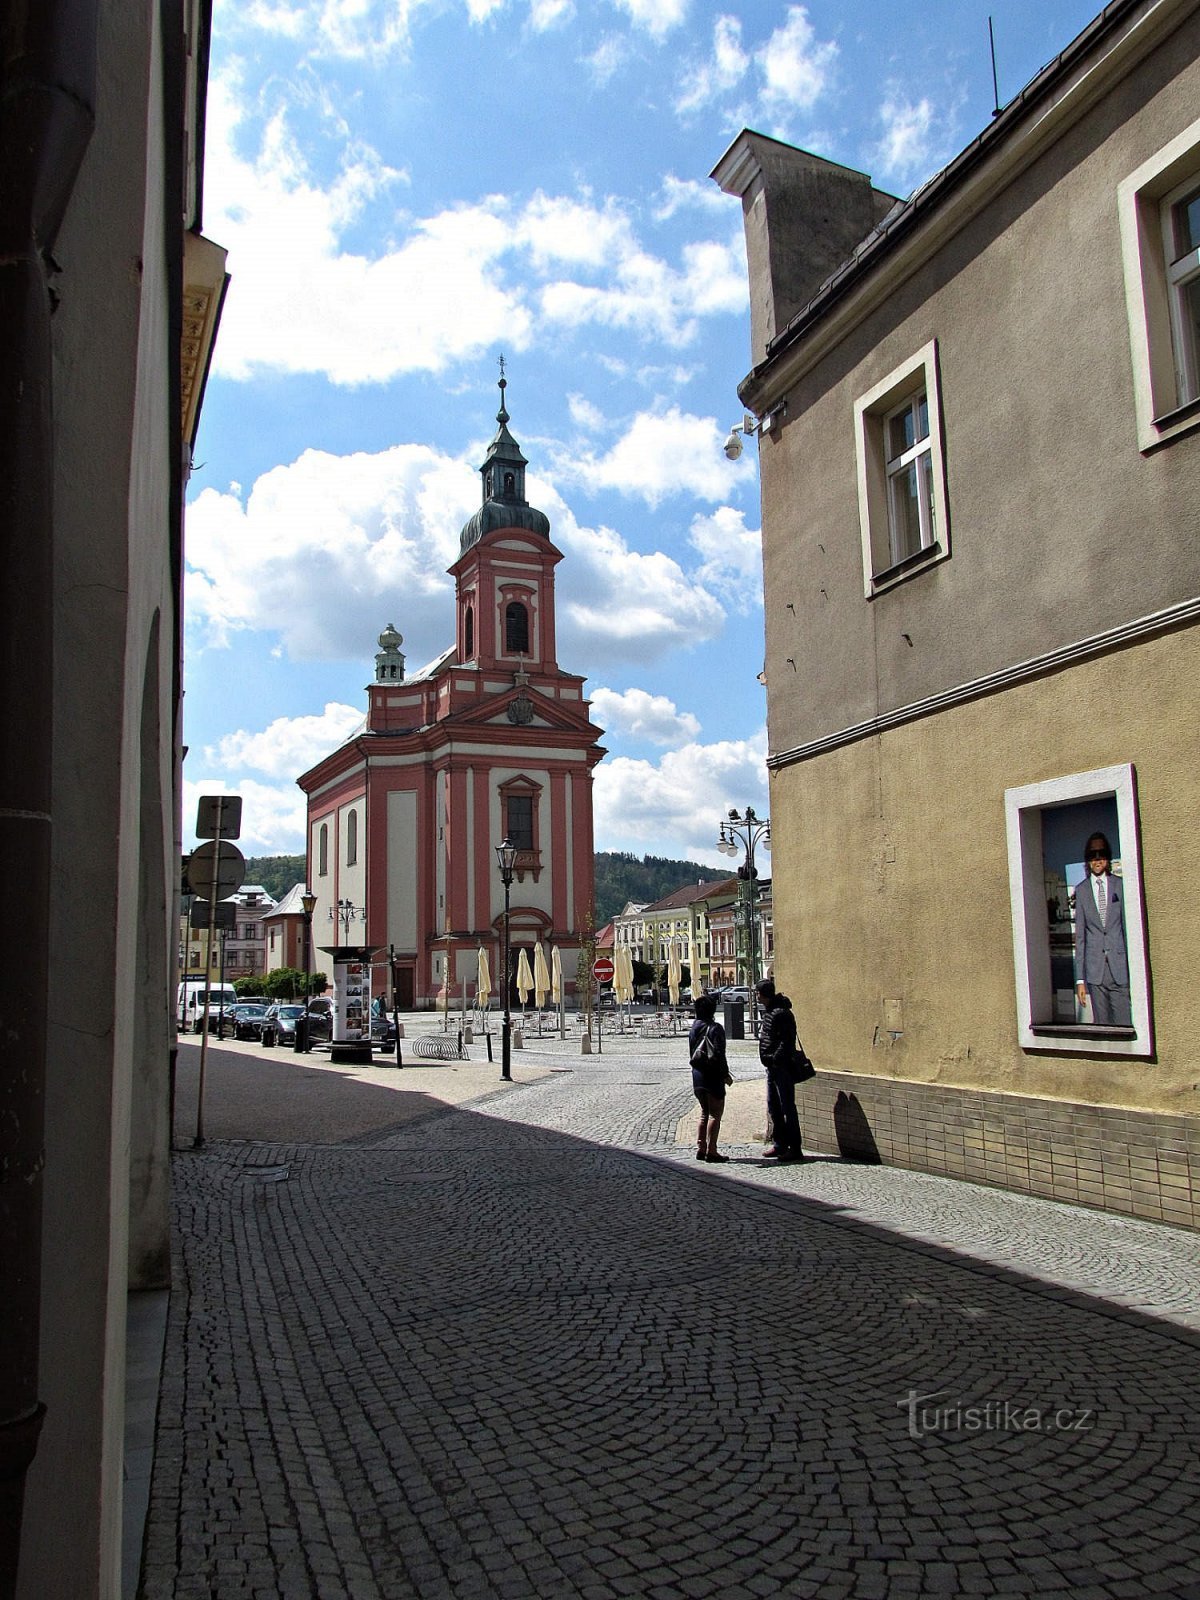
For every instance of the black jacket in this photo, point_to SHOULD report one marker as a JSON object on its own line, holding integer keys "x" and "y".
{"x": 777, "y": 1035}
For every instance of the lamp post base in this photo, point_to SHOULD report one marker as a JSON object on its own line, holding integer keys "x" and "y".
{"x": 506, "y": 1052}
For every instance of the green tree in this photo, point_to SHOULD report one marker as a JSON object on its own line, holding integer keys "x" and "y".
{"x": 283, "y": 983}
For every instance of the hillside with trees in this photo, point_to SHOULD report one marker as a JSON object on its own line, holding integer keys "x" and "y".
{"x": 621, "y": 877}
{"x": 276, "y": 874}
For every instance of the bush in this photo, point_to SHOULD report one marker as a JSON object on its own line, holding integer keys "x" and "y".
{"x": 283, "y": 983}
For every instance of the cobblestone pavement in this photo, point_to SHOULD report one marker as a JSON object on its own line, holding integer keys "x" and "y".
{"x": 530, "y": 1347}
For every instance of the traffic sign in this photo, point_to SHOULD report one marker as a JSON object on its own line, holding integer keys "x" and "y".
{"x": 603, "y": 969}
{"x": 216, "y": 869}
{"x": 219, "y": 816}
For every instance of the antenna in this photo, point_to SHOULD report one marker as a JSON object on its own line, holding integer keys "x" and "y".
{"x": 995, "y": 85}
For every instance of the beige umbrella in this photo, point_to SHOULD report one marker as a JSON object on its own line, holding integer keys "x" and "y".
{"x": 524, "y": 977}
{"x": 623, "y": 976}
{"x": 541, "y": 976}
{"x": 674, "y": 973}
{"x": 483, "y": 983}
{"x": 556, "y": 988}
{"x": 694, "y": 963}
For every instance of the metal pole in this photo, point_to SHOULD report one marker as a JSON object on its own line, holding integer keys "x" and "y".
{"x": 506, "y": 1035}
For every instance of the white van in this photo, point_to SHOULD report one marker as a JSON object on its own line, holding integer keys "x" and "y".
{"x": 189, "y": 1005}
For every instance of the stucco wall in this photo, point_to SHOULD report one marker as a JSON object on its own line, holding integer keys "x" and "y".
{"x": 1059, "y": 526}
{"x": 891, "y": 882}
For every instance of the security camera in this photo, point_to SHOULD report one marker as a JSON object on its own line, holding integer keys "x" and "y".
{"x": 734, "y": 445}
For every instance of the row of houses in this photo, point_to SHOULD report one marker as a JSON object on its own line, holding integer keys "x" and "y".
{"x": 731, "y": 934}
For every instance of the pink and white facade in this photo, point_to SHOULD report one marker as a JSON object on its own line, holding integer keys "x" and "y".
{"x": 492, "y": 739}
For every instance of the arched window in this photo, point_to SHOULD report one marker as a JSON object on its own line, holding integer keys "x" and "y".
{"x": 516, "y": 628}
{"x": 323, "y": 851}
{"x": 510, "y": 483}
{"x": 352, "y": 838}
{"x": 469, "y": 633}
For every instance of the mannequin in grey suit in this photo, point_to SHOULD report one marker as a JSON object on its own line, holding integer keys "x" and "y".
{"x": 1100, "y": 953}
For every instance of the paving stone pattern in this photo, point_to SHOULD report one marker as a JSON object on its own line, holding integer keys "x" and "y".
{"x": 513, "y": 1351}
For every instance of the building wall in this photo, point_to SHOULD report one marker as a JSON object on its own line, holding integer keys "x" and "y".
{"x": 105, "y": 1224}
{"x": 899, "y": 951}
{"x": 1048, "y": 494}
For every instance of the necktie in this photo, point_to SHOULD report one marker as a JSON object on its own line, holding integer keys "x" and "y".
{"x": 1102, "y": 899}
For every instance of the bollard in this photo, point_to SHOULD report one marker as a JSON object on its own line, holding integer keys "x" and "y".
{"x": 518, "y": 1039}
{"x": 585, "y": 1044}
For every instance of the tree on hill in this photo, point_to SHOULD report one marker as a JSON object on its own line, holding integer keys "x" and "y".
{"x": 276, "y": 874}
{"x": 621, "y": 877}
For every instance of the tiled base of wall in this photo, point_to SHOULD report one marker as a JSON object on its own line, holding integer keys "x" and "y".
{"x": 1138, "y": 1162}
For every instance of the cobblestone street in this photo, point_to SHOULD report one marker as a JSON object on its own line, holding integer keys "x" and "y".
{"x": 525, "y": 1345}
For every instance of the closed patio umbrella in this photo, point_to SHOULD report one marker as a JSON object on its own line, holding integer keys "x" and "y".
{"x": 694, "y": 963}
{"x": 623, "y": 976}
{"x": 524, "y": 977}
{"x": 541, "y": 975}
{"x": 556, "y": 989}
{"x": 483, "y": 983}
{"x": 674, "y": 973}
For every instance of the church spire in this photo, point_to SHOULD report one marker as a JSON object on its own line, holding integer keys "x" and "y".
{"x": 503, "y": 474}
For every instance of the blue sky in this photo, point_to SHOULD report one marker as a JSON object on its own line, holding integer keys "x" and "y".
{"x": 408, "y": 189}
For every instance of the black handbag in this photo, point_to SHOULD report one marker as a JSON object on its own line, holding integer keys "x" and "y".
{"x": 801, "y": 1067}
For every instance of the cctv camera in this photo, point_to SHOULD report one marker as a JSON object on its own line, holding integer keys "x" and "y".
{"x": 733, "y": 445}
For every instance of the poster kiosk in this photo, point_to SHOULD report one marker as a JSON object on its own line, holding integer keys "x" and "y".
{"x": 351, "y": 1045}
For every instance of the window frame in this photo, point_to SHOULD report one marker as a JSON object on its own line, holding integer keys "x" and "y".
{"x": 1144, "y": 201}
{"x": 1023, "y": 809}
{"x": 877, "y": 473}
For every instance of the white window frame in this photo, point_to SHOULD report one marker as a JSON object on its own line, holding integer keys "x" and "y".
{"x": 873, "y": 411}
{"x": 1023, "y": 808}
{"x": 1182, "y": 271}
{"x": 1144, "y": 199}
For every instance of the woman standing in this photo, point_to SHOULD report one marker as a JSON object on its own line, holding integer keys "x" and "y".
{"x": 710, "y": 1074}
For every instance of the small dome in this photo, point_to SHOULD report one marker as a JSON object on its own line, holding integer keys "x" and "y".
{"x": 389, "y": 639}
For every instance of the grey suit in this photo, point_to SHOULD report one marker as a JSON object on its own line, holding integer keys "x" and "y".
{"x": 1100, "y": 952}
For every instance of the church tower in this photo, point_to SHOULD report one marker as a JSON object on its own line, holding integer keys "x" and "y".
{"x": 492, "y": 740}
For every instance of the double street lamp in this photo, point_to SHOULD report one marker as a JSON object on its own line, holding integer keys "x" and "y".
{"x": 506, "y": 859}
{"x": 745, "y": 832}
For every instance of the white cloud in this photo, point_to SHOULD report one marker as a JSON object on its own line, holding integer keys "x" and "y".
{"x": 657, "y": 17}
{"x": 677, "y": 803}
{"x": 288, "y": 745}
{"x": 325, "y": 550}
{"x": 720, "y": 72}
{"x": 795, "y": 65}
{"x": 636, "y": 714}
{"x": 606, "y": 60}
{"x": 731, "y": 556}
{"x": 584, "y": 414}
{"x": 679, "y": 194}
{"x": 660, "y": 453}
{"x": 453, "y": 285}
{"x": 544, "y": 14}
{"x": 906, "y": 151}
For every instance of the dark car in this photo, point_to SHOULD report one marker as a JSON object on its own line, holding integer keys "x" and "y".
{"x": 282, "y": 1019}
{"x": 383, "y": 1032}
{"x": 247, "y": 1020}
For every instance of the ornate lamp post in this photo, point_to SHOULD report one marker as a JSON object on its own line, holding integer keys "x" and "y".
{"x": 746, "y": 832}
{"x": 506, "y": 859}
{"x": 308, "y": 904}
{"x": 345, "y": 912}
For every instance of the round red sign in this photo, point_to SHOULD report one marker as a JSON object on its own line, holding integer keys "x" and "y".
{"x": 602, "y": 970}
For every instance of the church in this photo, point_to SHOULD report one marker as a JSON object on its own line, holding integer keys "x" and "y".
{"x": 491, "y": 741}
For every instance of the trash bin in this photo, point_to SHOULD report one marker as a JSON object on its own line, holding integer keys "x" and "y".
{"x": 268, "y": 1037}
{"x": 300, "y": 1043}
{"x": 734, "y": 1019}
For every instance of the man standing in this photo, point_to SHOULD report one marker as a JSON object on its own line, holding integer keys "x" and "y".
{"x": 1101, "y": 959}
{"x": 777, "y": 1051}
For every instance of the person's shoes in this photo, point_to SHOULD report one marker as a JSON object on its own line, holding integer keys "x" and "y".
{"x": 701, "y": 1155}
{"x": 772, "y": 1153}
{"x": 792, "y": 1155}
{"x": 716, "y": 1158}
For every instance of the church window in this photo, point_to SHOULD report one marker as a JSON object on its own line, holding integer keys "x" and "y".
{"x": 510, "y": 483}
{"x": 519, "y": 820}
{"x": 323, "y": 850}
{"x": 352, "y": 838}
{"x": 469, "y": 633}
{"x": 516, "y": 628}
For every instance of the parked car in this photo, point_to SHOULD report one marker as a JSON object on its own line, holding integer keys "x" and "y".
{"x": 248, "y": 1020}
{"x": 383, "y": 1033}
{"x": 737, "y": 991}
{"x": 282, "y": 1017}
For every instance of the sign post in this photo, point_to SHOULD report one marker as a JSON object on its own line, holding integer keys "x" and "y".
{"x": 216, "y": 870}
{"x": 602, "y": 971}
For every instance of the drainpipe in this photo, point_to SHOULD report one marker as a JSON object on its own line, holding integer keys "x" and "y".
{"x": 47, "y": 99}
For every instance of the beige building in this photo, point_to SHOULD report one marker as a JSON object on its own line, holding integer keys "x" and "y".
{"x": 980, "y": 466}
{"x": 109, "y": 298}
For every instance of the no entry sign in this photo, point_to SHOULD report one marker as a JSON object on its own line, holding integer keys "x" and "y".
{"x": 603, "y": 969}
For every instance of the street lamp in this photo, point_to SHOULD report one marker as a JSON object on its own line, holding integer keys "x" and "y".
{"x": 308, "y": 904}
{"x": 345, "y": 912}
{"x": 745, "y": 832}
{"x": 506, "y": 859}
